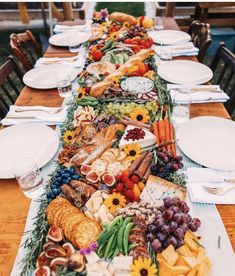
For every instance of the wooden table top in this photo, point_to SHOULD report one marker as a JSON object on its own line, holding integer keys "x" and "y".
{"x": 14, "y": 205}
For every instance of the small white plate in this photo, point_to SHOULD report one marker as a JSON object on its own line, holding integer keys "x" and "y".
{"x": 185, "y": 72}
{"x": 208, "y": 141}
{"x": 44, "y": 77}
{"x": 62, "y": 39}
{"x": 36, "y": 141}
{"x": 100, "y": 67}
{"x": 137, "y": 85}
{"x": 169, "y": 37}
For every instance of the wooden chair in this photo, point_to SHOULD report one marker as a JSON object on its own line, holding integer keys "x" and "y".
{"x": 201, "y": 37}
{"x": 223, "y": 66}
{"x": 25, "y": 47}
{"x": 10, "y": 84}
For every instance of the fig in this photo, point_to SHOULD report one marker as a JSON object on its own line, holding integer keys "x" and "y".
{"x": 69, "y": 249}
{"x": 108, "y": 179}
{"x": 42, "y": 260}
{"x": 76, "y": 262}
{"x": 54, "y": 251}
{"x": 55, "y": 234}
{"x": 85, "y": 169}
{"x": 42, "y": 271}
{"x": 92, "y": 177}
{"x": 58, "y": 262}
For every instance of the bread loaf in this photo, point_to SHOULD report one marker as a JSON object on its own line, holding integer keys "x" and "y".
{"x": 123, "y": 17}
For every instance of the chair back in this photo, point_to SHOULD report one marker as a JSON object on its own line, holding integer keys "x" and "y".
{"x": 223, "y": 66}
{"x": 201, "y": 37}
{"x": 26, "y": 48}
{"x": 10, "y": 84}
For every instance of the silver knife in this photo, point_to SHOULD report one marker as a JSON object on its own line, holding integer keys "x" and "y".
{"x": 22, "y": 117}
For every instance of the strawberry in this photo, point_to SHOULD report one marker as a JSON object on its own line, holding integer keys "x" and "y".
{"x": 130, "y": 185}
{"x": 135, "y": 179}
{"x": 125, "y": 179}
{"x": 129, "y": 194}
{"x": 97, "y": 55}
{"x": 119, "y": 187}
{"x": 119, "y": 177}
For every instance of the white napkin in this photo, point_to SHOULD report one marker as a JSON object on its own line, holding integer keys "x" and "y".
{"x": 82, "y": 28}
{"x": 41, "y": 116}
{"x": 184, "y": 49}
{"x": 197, "y": 177}
{"x": 199, "y": 96}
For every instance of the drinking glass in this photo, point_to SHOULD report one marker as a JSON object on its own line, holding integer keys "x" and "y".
{"x": 29, "y": 177}
{"x": 165, "y": 53}
{"x": 158, "y": 23}
{"x": 181, "y": 108}
{"x": 64, "y": 85}
{"x": 73, "y": 42}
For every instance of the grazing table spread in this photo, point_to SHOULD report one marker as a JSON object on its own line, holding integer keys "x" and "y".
{"x": 14, "y": 205}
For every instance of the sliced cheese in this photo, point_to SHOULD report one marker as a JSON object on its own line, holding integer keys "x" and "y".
{"x": 122, "y": 263}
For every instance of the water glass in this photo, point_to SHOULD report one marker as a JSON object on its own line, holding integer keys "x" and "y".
{"x": 181, "y": 108}
{"x": 64, "y": 85}
{"x": 158, "y": 23}
{"x": 165, "y": 53}
{"x": 73, "y": 42}
{"x": 29, "y": 177}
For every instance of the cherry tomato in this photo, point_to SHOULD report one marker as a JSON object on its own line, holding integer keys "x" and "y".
{"x": 97, "y": 55}
{"x": 106, "y": 74}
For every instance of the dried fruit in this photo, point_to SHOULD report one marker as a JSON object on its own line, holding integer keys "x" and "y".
{"x": 47, "y": 244}
{"x": 69, "y": 249}
{"x": 85, "y": 169}
{"x": 42, "y": 260}
{"x": 92, "y": 177}
{"x": 76, "y": 262}
{"x": 135, "y": 179}
{"x": 58, "y": 262}
{"x": 42, "y": 271}
{"x": 108, "y": 179}
{"x": 55, "y": 233}
{"x": 55, "y": 251}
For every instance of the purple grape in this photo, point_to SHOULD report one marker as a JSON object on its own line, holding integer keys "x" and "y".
{"x": 153, "y": 229}
{"x": 183, "y": 206}
{"x": 165, "y": 244}
{"x": 192, "y": 226}
{"x": 180, "y": 242}
{"x": 178, "y": 158}
{"x": 172, "y": 240}
{"x": 175, "y": 167}
{"x": 158, "y": 216}
{"x": 169, "y": 154}
{"x": 179, "y": 233}
{"x": 165, "y": 229}
{"x": 161, "y": 236}
{"x": 168, "y": 214}
{"x": 175, "y": 209}
{"x": 167, "y": 202}
{"x": 177, "y": 218}
{"x": 150, "y": 236}
{"x": 197, "y": 222}
{"x": 156, "y": 245}
{"x": 180, "y": 165}
{"x": 184, "y": 227}
{"x": 165, "y": 159}
{"x": 162, "y": 208}
{"x": 184, "y": 218}
{"x": 173, "y": 226}
{"x": 175, "y": 200}
{"x": 161, "y": 155}
{"x": 159, "y": 223}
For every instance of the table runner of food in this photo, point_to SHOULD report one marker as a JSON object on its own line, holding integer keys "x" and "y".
{"x": 181, "y": 251}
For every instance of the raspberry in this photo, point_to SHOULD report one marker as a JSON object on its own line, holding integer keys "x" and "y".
{"x": 129, "y": 194}
{"x": 130, "y": 185}
{"x": 119, "y": 187}
{"x": 135, "y": 178}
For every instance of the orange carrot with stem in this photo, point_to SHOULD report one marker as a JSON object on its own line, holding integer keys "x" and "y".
{"x": 155, "y": 131}
{"x": 173, "y": 148}
{"x": 167, "y": 131}
{"x": 161, "y": 128}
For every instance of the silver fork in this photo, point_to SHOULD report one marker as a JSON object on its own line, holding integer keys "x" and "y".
{"x": 217, "y": 190}
{"x": 50, "y": 111}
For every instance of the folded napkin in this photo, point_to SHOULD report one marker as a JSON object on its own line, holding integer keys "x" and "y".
{"x": 198, "y": 96}
{"x": 76, "y": 62}
{"x": 64, "y": 28}
{"x": 184, "y": 49}
{"x": 197, "y": 177}
{"x": 42, "y": 117}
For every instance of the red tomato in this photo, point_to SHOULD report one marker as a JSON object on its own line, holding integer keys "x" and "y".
{"x": 97, "y": 55}
{"x": 136, "y": 48}
{"x": 128, "y": 41}
{"x": 136, "y": 74}
{"x": 106, "y": 74}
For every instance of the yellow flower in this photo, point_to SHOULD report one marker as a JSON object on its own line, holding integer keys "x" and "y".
{"x": 81, "y": 93}
{"x": 140, "y": 115}
{"x": 143, "y": 267}
{"x": 114, "y": 35}
{"x": 114, "y": 202}
{"x": 149, "y": 75}
{"x": 126, "y": 25}
{"x": 133, "y": 151}
{"x": 115, "y": 81}
{"x": 68, "y": 136}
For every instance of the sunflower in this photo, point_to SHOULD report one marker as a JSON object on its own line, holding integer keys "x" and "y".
{"x": 143, "y": 267}
{"x": 126, "y": 25}
{"x": 133, "y": 151}
{"x": 114, "y": 202}
{"x": 140, "y": 115}
{"x": 81, "y": 93}
{"x": 68, "y": 136}
{"x": 114, "y": 35}
{"x": 115, "y": 81}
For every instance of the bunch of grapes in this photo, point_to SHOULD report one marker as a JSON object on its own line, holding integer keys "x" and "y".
{"x": 167, "y": 163}
{"x": 135, "y": 31}
{"x": 171, "y": 224}
{"x": 120, "y": 109}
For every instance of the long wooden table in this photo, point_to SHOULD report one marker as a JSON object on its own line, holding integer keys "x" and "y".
{"x": 14, "y": 205}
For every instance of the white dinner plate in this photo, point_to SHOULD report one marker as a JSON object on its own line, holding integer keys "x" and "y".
{"x": 169, "y": 37}
{"x": 21, "y": 141}
{"x": 185, "y": 72}
{"x": 62, "y": 39}
{"x": 44, "y": 77}
{"x": 209, "y": 141}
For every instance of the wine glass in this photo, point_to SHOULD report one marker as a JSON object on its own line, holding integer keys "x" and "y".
{"x": 64, "y": 85}
{"x": 181, "y": 108}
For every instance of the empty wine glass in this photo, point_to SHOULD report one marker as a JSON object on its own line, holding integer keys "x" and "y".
{"x": 73, "y": 42}
{"x": 158, "y": 23}
{"x": 181, "y": 108}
